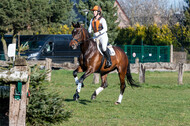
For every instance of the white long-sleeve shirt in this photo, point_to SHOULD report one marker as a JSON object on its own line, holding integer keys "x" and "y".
{"x": 104, "y": 25}
{"x": 102, "y": 34}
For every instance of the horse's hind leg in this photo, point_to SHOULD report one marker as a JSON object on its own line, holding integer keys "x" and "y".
{"x": 101, "y": 88}
{"x": 122, "y": 87}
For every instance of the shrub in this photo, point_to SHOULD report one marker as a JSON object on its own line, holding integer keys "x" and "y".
{"x": 44, "y": 108}
{"x": 154, "y": 35}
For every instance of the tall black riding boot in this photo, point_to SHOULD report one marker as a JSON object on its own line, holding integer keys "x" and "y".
{"x": 107, "y": 55}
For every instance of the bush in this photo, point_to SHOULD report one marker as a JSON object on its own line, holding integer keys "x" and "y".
{"x": 44, "y": 108}
{"x": 154, "y": 35}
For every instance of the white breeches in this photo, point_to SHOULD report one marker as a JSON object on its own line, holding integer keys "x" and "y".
{"x": 103, "y": 40}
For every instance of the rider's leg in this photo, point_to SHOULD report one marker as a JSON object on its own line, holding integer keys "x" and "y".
{"x": 107, "y": 55}
{"x": 104, "y": 42}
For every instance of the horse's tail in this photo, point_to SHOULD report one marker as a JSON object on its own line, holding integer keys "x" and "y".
{"x": 130, "y": 80}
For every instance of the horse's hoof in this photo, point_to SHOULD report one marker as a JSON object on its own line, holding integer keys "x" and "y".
{"x": 117, "y": 103}
{"x": 75, "y": 97}
{"x": 93, "y": 96}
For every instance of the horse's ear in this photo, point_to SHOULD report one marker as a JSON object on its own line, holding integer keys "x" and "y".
{"x": 73, "y": 24}
{"x": 78, "y": 25}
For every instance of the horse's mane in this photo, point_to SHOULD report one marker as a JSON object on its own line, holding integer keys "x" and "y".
{"x": 87, "y": 33}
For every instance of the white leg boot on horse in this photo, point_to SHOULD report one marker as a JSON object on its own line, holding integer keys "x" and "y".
{"x": 90, "y": 61}
{"x": 100, "y": 89}
{"x": 80, "y": 82}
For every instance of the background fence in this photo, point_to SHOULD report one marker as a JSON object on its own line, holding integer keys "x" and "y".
{"x": 147, "y": 53}
{"x": 2, "y": 57}
{"x": 144, "y": 53}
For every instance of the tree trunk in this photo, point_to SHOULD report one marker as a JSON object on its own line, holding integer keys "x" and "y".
{"x": 4, "y": 47}
{"x": 14, "y": 37}
{"x": 19, "y": 44}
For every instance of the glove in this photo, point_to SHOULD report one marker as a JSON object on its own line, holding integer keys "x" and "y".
{"x": 97, "y": 34}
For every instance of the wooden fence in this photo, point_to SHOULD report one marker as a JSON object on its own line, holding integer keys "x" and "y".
{"x": 18, "y": 78}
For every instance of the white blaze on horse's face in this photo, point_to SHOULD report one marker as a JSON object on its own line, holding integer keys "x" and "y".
{"x": 74, "y": 47}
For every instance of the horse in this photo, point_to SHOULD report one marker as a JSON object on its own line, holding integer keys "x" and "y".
{"x": 92, "y": 61}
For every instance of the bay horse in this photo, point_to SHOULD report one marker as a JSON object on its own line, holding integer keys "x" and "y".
{"x": 90, "y": 61}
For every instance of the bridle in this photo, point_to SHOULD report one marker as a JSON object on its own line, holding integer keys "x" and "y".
{"x": 78, "y": 42}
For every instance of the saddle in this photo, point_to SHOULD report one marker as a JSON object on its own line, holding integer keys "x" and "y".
{"x": 109, "y": 47}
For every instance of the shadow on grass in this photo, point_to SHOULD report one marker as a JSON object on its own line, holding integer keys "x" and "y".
{"x": 84, "y": 102}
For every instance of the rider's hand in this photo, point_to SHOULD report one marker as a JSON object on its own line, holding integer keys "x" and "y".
{"x": 97, "y": 33}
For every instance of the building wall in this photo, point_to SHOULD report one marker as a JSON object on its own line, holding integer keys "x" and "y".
{"x": 122, "y": 18}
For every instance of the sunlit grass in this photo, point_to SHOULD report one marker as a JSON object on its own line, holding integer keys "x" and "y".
{"x": 159, "y": 102}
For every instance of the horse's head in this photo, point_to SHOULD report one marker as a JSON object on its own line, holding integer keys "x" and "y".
{"x": 78, "y": 36}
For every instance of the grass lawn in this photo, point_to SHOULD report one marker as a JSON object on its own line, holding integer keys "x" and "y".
{"x": 159, "y": 102}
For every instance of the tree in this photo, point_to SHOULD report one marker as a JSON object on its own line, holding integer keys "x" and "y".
{"x": 144, "y": 12}
{"x": 35, "y": 13}
{"x": 5, "y": 25}
{"x": 187, "y": 13}
{"x": 72, "y": 17}
{"x": 19, "y": 15}
{"x": 109, "y": 13}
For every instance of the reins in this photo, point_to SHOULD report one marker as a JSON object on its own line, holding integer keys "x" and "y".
{"x": 78, "y": 42}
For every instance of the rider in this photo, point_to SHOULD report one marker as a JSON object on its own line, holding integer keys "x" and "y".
{"x": 99, "y": 26}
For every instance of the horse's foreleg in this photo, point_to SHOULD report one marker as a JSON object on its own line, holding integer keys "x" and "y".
{"x": 122, "y": 87}
{"x": 78, "y": 70}
{"x": 80, "y": 82}
{"x": 101, "y": 88}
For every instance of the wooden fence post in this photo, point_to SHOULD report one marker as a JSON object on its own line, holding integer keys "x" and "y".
{"x": 137, "y": 63}
{"x": 171, "y": 53}
{"x": 48, "y": 67}
{"x": 96, "y": 78}
{"x": 180, "y": 73}
{"x": 142, "y": 73}
{"x": 75, "y": 60}
{"x": 17, "y": 107}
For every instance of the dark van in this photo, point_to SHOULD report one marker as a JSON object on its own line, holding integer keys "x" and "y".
{"x": 55, "y": 47}
{"x": 8, "y": 39}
